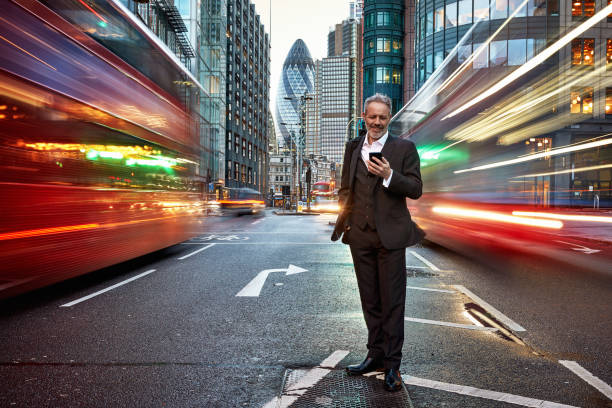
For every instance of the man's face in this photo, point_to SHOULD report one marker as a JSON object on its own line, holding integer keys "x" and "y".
{"x": 377, "y": 117}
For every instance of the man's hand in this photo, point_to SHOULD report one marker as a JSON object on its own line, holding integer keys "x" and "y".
{"x": 381, "y": 168}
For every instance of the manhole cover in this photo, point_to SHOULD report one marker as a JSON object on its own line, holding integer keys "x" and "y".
{"x": 419, "y": 273}
{"x": 339, "y": 390}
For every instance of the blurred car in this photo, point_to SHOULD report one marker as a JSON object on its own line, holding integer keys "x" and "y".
{"x": 241, "y": 201}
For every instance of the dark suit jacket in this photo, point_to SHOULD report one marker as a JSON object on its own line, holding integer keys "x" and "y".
{"x": 393, "y": 223}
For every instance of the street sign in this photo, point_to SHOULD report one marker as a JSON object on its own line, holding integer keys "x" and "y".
{"x": 253, "y": 288}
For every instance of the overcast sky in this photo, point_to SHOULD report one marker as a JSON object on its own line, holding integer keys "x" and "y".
{"x": 309, "y": 20}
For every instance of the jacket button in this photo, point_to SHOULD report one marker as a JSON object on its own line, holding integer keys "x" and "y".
{"x": 348, "y": 228}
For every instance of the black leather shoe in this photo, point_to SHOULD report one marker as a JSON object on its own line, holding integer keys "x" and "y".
{"x": 393, "y": 380}
{"x": 367, "y": 366}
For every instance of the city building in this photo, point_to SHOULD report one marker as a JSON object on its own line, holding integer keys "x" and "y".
{"x": 383, "y": 49}
{"x": 179, "y": 25}
{"x": 281, "y": 177}
{"x": 296, "y": 82}
{"x": 313, "y": 116}
{"x": 336, "y": 108}
{"x": 356, "y": 9}
{"x": 247, "y": 95}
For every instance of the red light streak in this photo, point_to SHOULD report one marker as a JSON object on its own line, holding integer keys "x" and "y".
{"x": 46, "y": 231}
{"x": 93, "y": 11}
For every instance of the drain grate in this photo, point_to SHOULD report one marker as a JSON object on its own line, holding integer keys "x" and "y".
{"x": 339, "y": 390}
{"x": 419, "y": 273}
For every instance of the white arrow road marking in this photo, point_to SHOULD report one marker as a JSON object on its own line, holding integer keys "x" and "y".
{"x": 498, "y": 315}
{"x": 581, "y": 248}
{"x": 253, "y": 288}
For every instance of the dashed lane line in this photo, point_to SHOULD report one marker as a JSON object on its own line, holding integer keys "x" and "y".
{"x": 195, "y": 252}
{"x": 493, "y": 311}
{"x": 577, "y": 369}
{"x": 449, "y": 324}
{"x": 74, "y": 302}
{"x": 308, "y": 381}
{"x": 480, "y": 393}
{"x": 425, "y": 261}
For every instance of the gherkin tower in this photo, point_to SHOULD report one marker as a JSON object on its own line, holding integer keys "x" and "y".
{"x": 297, "y": 78}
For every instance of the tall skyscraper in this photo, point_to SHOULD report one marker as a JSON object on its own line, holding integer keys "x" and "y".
{"x": 248, "y": 73}
{"x": 383, "y": 43}
{"x": 297, "y": 79}
{"x": 336, "y": 108}
{"x": 356, "y": 9}
{"x": 313, "y": 116}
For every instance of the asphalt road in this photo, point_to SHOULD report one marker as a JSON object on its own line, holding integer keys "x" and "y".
{"x": 218, "y": 322}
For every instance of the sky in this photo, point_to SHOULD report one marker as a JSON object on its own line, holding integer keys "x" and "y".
{"x": 309, "y": 20}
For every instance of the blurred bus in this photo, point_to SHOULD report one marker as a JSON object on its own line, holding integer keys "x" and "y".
{"x": 99, "y": 145}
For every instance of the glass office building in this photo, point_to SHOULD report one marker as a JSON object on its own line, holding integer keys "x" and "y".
{"x": 297, "y": 78}
{"x": 383, "y": 49}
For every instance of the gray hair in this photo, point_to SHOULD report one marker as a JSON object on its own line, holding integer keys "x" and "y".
{"x": 377, "y": 97}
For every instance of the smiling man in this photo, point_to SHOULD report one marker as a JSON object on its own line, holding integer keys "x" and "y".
{"x": 377, "y": 226}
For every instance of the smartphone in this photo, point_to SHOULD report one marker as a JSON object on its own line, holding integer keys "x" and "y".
{"x": 378, "y": 155}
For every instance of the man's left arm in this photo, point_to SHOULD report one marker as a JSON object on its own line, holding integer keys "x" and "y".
{"x": 407, "y": 180}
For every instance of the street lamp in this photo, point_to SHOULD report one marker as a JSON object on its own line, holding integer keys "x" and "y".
{"x": 300, "y": 142}
{"x": 348, "y": 137}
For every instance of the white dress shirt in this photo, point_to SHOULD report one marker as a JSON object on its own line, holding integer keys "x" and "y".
{"x": 375, "y": 147}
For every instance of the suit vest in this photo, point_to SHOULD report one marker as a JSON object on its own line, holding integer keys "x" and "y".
{"x": 363, "y": 196}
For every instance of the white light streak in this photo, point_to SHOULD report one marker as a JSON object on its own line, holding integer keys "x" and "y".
{"x": 499, "y": 217}
{"x": 539, "y": 155}
{"x": 567, "y": 217}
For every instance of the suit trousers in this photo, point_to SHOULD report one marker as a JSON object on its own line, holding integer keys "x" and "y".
{"x": 381, "y": 277}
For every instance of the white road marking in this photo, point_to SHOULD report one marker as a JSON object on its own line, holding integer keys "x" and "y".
{"x": 449, "y": 324}
{"x": 430, "y": 289}
{"x": 195, "y": 252}
{"x": 601, "y": 386}
{"x": 480, "y": 393}
{"x": 308, "y": 381}
{"x": 256, "y": 222}
{"x": 74, "y": 302}
{"x": 253, "y": 288}
{"x": 498, "y": 315}
{"x": 425, "y": 261}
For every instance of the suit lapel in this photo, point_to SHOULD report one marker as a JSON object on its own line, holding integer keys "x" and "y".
{"x": 354, "y": 157}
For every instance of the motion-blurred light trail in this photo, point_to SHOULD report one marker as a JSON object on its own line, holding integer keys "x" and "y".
{"x": 499, "y": 217}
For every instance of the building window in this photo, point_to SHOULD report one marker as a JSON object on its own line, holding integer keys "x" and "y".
{"x": 243, "y": 147}
{"x": 608, "y": 102}
{"x": 536, "y": 8}
{"x": 236, "y": 171}
{"x": 482, "y": 59}
{"x": 498, "y": 53}
{"x": 481, "y": 10}
{"x": 250, "y": 151}
{"x": 451, "y": 15}
{"x": 583, "y": 8}
{"x": 383, "y": 44}
{"x": 243, "y": 175}
{"x": 583, "y": 51}
{"x": 439, "y": 19}
{"x": 397, "y": 46}
{"x": 609, "y": 54}
{"x": 517, "y": 52}
{"x": 229, "y": 141}
{"x": 438, "y": 59}
{"x": 581, "y": 100}
{"x": 429, "y": 23}
{"x": 370, "y": 47}
{"x": 465, "y": 12}
{"x": 463, "y": 53}
{"x": 499, "y": 9}
{"x": 515, "y": 4}
{"x": 237, "y": 144}
{"x": 228, "y": 170}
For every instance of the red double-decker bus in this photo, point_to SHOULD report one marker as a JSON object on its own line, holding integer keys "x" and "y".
{"x": 99, "y": 145}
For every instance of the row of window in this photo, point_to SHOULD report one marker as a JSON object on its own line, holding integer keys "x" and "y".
{"x": 581, "y": 101}
{"x": 470, "y": 11}
{"x": 583, "y": 52}
{"x": 384, "y": 44}
{"x": 252, "y": 152}
{"x": 240, "y": 173}
{"x": 496, "y": 53}
{"x": 382, "y": 75}
{"x": 384, "y": 19}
